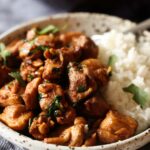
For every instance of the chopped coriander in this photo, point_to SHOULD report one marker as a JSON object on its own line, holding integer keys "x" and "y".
{"x": 112, "y": 60}
{"x": 139, "y": 95}
{"x": 48, "y": 29}
{"x": 39, "y": 48}
{"x": 4, "y": 53}
{"x": 55, "y": 105}
{"x": 39, "y": 96}
{"x": 57, "y": 113}
{"x": 56, "y": 70}
{"x": 30, "y": 121}
{"x": 31, "y": 77}
{"x": 18, "y": 77}
{"x": 81, "y": 88}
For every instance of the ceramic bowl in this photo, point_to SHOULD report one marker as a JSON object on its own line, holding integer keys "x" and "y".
{"x": 90, "y": 24}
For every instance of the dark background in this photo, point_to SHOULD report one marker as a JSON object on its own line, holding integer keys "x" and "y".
{"x": 13, "y": 12}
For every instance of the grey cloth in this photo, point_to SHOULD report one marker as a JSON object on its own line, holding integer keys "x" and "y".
{"x": 5, "y": 145}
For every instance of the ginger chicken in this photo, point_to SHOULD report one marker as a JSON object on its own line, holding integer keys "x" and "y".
{"x": 10, "y": 94}
{"x": 40, "y": 126}
{"x": 16, "y": 116}
{"x": 116, "y": 127}
{"x": 52, "y": 89}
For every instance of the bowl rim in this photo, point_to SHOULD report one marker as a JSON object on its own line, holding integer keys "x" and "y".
{"x": 22, "y": 137}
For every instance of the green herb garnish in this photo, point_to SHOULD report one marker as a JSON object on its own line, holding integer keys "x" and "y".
{"x": 112, "y": 60}
{"x": 39, "y": 96}
{"x": 55, "y": 105}
{"x": 57, "y": 113}
{"x": 139, "y": 95}
{"x": 56, "y": 70}
{"x": 31, "y": 77}
{"x": 39, "y": 48}
{"x": 4, "y": 53}
{"x": 81, "y": 88}
{"x": 48, "y": 29}
{"x": 30, "y": 121}
{"x": 18, "y": 77}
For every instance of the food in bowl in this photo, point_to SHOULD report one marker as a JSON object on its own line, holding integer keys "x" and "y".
{"x": 54, "y": 89}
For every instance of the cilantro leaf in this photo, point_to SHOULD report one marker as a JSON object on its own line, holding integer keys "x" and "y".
{"x": 55, "y": 105}
{"x": 139, "y": 95}
{"x": 30, "y": 121}
{"x": 4, "y": 53}
{"x": 48, "y": 29}
{"x": 18, "y": 77}
{"x": 81, "y": 88}
{"x": 38, "y": 48}
{"x": 112, "y": 60}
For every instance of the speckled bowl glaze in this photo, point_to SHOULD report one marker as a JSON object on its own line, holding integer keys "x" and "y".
{"x": 90, "y": 24}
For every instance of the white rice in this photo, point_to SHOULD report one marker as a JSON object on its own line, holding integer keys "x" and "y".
{"x": 132, "y": 66}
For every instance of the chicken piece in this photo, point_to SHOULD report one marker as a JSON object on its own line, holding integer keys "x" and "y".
{"x": 31, "y": 34}
{"x": 41, "y": 126}
{"x": 10, "y": 94}
{"x": 80, "y": 42}
{"x": 14, "y": 47}
{"x": 31, "y": 93}
{"x": 70, "y": 54}
{"x": 26, "y": 49}
{"x": 49, "y": 94}
{"x": 95, "y": 107}
{"x": 116, "y": 127}
{"x": 72, "y": 136}
{"x": 16, "y": 116}
{"x": 61, "y": 137}
{"x": 53, "y": 65}
{"x": 91, "y": 141}
{"x": 81, "y": 85}
{"x": 65, "y": 117}
{"x": 98, "y": 71}
{"x": 31, "y": 69}
{"x": 45, "y": 40}
{"x": 4, "y": 75}
{"x": 78, "y": 132}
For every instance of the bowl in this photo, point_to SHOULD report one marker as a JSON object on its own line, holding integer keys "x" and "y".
{"x": 89, "y": 23}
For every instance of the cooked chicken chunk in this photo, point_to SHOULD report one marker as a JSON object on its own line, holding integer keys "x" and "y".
{"x": 45, "y": 40}
{"x": 61, "y": 136}
{"x": 14, "y": 47}
{"x": 70, "y": 54}
{"x": 91, "y": 141}
{"x": 80, "y": 84}
{"x": 95, "y": 107}
{"x": 116, "y": 127}
{"x": 30, "y": 69}
{"x": 53, "y": 64}
{"x": 41, "y": 126}
{"x": 49, "y": 93}
{"x": 4, "y": 75}
{"x": 10, "y": 94}
{"x": 16, "y": 116}
{"x": 26, "y": 49}
{"x": 72, "y": 136}
{"x": 31, "y": 93}
{"x": 66, "y": 116}
{"x": 31, "y": 34}
{"x": 80, "y": 42}
{"x": 97, "y": 71}
{"x": 78, "y": 132}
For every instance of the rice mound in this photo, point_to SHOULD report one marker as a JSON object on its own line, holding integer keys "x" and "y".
{"x": 132, "y": 66}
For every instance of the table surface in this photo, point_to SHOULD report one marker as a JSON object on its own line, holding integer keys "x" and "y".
{"x": 21, "y": 11}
